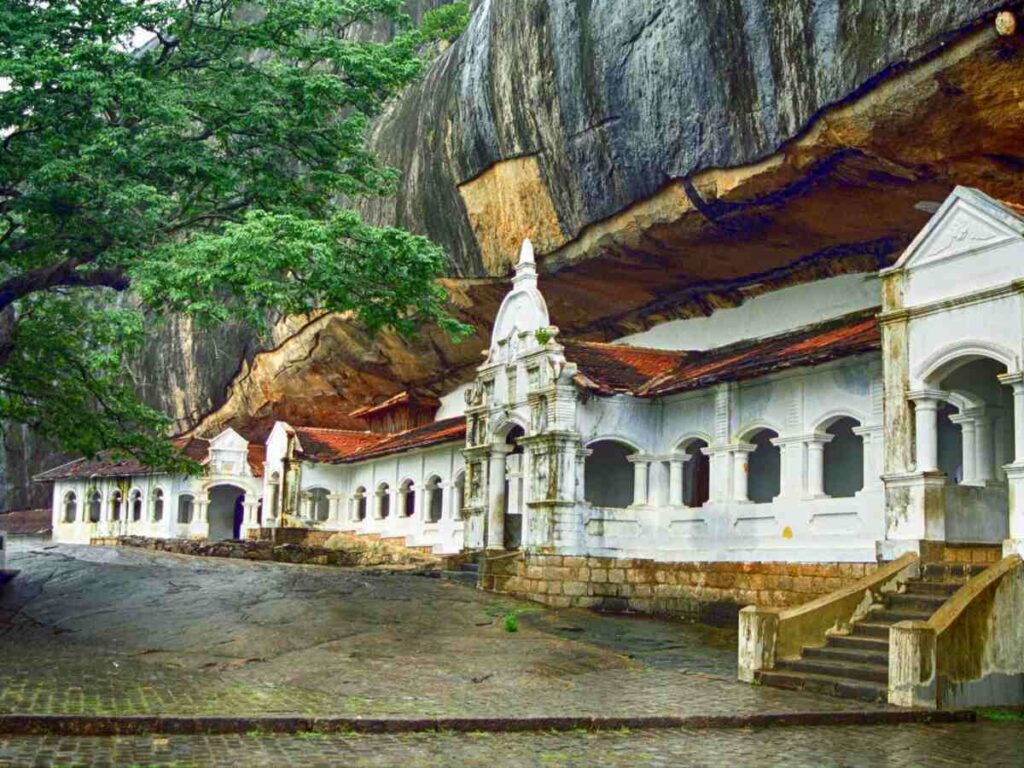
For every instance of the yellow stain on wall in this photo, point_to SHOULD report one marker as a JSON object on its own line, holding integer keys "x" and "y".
{"x": 787, "y": 532}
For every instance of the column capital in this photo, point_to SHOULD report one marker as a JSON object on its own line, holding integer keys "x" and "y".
{"x": 926, "y": 397}
{"x": 501, "y": 449}
{"x": 1015, "y": 380}
{"x": 965, "y": 419}
{"x": 640, "y": 458}
{"x": 869, "y": 430}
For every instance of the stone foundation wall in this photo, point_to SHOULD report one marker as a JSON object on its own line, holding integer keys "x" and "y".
{"x": 689, "y": 589}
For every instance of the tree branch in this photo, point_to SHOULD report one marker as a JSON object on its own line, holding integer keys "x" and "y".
{"x": 63, "y": 274}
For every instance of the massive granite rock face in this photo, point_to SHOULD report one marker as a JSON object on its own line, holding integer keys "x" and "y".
{"x": 667, "y": 157}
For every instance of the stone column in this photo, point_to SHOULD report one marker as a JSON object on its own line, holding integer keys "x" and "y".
{"x": 816, "y": 465}
{"x": 926, "y": 421}
{"x": 983, "y": 461}
{"x": 581, "y": 474}
{"x": 250, "y": 518}
{"x": 1017, "y": 382}
{"x": 496, "y": 496}
{"x": 200, "y": 528}
{"x": 741, "y": 471}
{"x": 1015, "y": 471}
{"x": 675, "y": 480}
{"x": 640, "y": 466}
{"x": 513, "y": 471}
{"x": 871, "y": 441}
{"x": 335, "y": 499}
{"x": 970, "y": 448}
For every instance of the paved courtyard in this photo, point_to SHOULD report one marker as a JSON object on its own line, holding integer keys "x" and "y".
{"x": 903, "y": 746}
{"x": 123, "y": 631}
{"x": 100, "y": 631}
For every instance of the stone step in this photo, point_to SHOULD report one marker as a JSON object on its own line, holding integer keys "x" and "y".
{"x": 468, "y": 578}
{"x": 941, "y": 588}
{"x": 952, "y": 571}
{"x": 913, "y": 601}
{"x": 858, "y": 655}
{"x": 891, "y": 616}
{"x": 862, "y": 642}
{"x": 847, "y": 670}
{"x": 871, "y": 629}
{"x": 827, "y": 684}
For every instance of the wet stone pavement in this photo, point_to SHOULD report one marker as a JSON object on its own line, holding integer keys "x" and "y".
{"x": 122, "y": 631}
{"x": 902, "y": 746}
{"x": 99, "y": 631}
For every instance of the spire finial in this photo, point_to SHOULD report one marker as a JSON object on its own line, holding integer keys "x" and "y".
{"x": 526, "y": 253}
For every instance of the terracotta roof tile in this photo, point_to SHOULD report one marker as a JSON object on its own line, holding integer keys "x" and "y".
{"x": 26, "y": 521}
{"x": 611, "y": 368}
{"x": 842, "y": 337}
{"x": 401, "y": 398}
{"x": 438, "y": 433}
{"x": 327, "y": 445}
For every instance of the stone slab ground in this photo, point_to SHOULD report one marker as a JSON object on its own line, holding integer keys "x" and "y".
{"x": 904, "y": 746}
{"x": 113, "y": 632}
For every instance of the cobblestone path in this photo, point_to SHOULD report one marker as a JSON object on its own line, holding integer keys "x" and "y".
{"x": 988, "y": 744}
{"x": 114, "y": 631}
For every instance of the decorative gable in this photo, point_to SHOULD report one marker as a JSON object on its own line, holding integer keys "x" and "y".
{"x": 973, "y": 242}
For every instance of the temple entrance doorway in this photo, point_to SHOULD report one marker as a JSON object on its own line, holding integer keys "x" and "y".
{"x": 513, "y": 512}
{"x": 226, "y": 512}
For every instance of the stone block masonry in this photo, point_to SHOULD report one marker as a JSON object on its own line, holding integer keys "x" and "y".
{"x": 695, "y": 590}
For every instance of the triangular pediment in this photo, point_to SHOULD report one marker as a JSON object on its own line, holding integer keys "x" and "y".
{"x": 968, "y": 221}
{"x": 229, "y": 440}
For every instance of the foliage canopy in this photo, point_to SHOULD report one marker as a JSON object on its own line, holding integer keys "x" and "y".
{"x": 199, "y": 172}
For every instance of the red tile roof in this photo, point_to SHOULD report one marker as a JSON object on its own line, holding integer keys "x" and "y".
{"x": 402, "y": 398}
{"x": 846, "y": 336}
{"x": 328, "y": 445}
{"x": 103, "y": 466}
{"x": 26, "y": 521}
{"x": 340, "y": 446}
{"x": 612, "y": 368}
{"x": 438, "y": 433}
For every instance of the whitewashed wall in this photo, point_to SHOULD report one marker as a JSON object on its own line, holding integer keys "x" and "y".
{"x": 798, "y": 525}
{"x": 81, "y": 530}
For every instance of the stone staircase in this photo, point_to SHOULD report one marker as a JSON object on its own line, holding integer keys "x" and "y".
{"x": 464, "y": 572}
{"x": 856, "y": 664}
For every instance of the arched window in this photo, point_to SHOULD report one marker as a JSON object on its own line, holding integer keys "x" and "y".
{"x": 764, "y": 468}
{"x": 70, "y": 506}
{"x": 696, "y": 474}
{"x": 608, "y": 474}
{"x": 459, "y": 486}
{"x": 115, "y": 505}
{"x": 186, "y": 505}
{"x": 434, "y": 499}
{"x": 360, "y": 504}
{"x": 407, "y": 491}
{"x": 844, "y": 459}
{"x": 95, "y": 505}
{"x": 383, "y": 501}
{"x": 319, "y": 504}
{"x": 136, "y": 504}
{"x": 158, "y": 505}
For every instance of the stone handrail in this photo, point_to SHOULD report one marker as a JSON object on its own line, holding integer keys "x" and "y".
{"x": 970, "y": 652}
{"x": 767, "y": 634}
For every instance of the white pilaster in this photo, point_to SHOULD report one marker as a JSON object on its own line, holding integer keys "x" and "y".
{"x": 926, "y": 422}
{"x": 640, "y": 468}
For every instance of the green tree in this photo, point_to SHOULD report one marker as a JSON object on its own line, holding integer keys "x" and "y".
{"x": 201, "y": 172}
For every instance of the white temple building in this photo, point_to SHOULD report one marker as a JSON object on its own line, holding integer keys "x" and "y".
{"x": 845, "y": 421}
